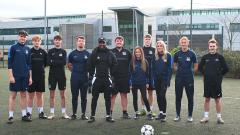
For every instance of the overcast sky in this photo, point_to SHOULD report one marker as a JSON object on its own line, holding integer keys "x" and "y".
{"x": 23, "y": 8}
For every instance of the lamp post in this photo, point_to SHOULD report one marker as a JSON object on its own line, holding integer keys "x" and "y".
{"x": 191, "y": 25}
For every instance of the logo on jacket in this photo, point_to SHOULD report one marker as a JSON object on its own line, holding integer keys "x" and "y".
{"x": 188, "y": 59}
{"x": 98, "y": 57}
{"x": 60, "y": 54}
{"x": 26, "y": 51}
{"x": 216, "y": 59}
{"x": 85, "y": 57}
{"x": 150, "y": 52}
{"x": 124, "y": 53}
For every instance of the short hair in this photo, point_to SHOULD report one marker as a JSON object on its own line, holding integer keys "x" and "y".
{"x": 213, "y": 40}
{"x": 80, "y": 37}
{"x": 57, "y": 37}
{"x": 119, "y": 37}
{"x": 37, "y": 37}
{"x": 183, "y": 38}
{"x": 147, "y": 36}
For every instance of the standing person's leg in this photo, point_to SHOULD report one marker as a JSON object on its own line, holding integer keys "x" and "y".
{"x": 83, "y": 93}
{"x": 135, "y": 98}
{"x": 30, "y": 103}
{"x": 124, "y": 103}
{"x": 178, "y": 94}
{"x": 189, "y": 87}
{"x": 75, "y": 92}
{"x": 144, "y": 97}
{"x": 107, "y": 97}
{"x": 40, "y": 103}
{"x": 11, "y": 105}
{"x": 23, "y": 104}
{"x": 206, "y": 110}
{"x": 163, "y": 101}
{"x": 95, "y": 94}
{"x": 113, "y": 98}
{"x": 219, "y": 109}
{"x": 52, "y": 87}
{"x": 61, "y": 81}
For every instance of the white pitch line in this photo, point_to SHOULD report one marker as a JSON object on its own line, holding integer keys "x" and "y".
{"x": 232, "y": 98}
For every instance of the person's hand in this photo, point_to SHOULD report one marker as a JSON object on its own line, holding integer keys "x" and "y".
{"x": 30, "y": 81}
{"x": 147, "y": 85}
{"x": 12, "y": 79}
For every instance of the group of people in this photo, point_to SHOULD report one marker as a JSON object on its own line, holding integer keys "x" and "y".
{"x": 111, "y": 72}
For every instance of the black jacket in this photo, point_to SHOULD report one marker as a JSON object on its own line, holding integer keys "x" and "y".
{"x": 57, "y": 60}
{"x": 101, "y": 63}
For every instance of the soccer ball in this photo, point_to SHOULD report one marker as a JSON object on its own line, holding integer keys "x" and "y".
{"x": 147, "y": 130}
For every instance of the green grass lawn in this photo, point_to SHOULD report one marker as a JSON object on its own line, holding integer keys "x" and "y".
{"x": 58, "y": 126}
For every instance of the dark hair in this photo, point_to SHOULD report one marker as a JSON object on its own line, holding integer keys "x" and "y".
{"x": 80, "y": 36}
{"x": 57, "y": 37}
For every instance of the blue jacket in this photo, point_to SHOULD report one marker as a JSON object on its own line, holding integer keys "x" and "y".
{"x": 78, "y": 59}
{"x": 162, "y": 68}
{"x": 19, "y": 60}
{"x": 138, "y": 76}
{"x": 185, "y": 62}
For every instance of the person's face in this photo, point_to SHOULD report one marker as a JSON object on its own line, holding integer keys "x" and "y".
{"x": 80, "y": 43}
{"x": 212, "y": 47}
{"x": 22, "y": 39}
{"x": 184, "y": 44}
{"x": 119, "y": 43}
{"x": 57, "y": 42}
{"x": 147, "y": 41}
{"x": 36, "y": 43}
{"x": 138, "y": 54}
{"x": 102, "y": 44}
{"x": 160, "y": 47}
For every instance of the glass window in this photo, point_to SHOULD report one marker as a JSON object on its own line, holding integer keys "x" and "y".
{"x": 107, "y": 28}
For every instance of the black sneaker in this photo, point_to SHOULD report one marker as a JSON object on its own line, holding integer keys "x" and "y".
{"x": 10, "y": 120}
{"x": 149, "y": 116}
{"x": 91, "y": 120}
{"x": 26, "y": 118}
{"x": 42, "y": 116}
{"x": 110, "y": 119}
{"x": 29, "y": 115}
{"x": 137, "y": 116}
{"x": 159, "y": 117}
{"x": 74, "y": 117}
{"x": 84, "y": 117}
{"x": 126, "y": 116}
{"x": 164, "y": 118}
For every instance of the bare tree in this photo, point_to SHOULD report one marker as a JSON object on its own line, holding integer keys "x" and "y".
{"x": 180, "y": 25}
{"x": 230, "y": 23}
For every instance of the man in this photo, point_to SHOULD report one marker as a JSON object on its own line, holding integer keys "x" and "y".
{"x": 57, "y": 61}
{"x": 19, "y": 72}
{"x": 100, "y": 65}
{"x": 149, "y": 55}
{"x": 77, "y": 64}
{"x": 213, "y": 67}
{"x": 121, "y": 78}
{"x": 39, "y": 62}
{"x": 184, "y": 60}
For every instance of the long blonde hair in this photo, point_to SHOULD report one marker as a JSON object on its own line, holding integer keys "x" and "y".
{"x": 165, "y": 51}
{"x": 143, "y": 61}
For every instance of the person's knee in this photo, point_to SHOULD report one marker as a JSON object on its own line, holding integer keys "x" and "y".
{"x": 207, "y": 100}
{"x": 23, "y": 94}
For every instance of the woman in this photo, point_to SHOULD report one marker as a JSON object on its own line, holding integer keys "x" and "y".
{"x": 162, "y": 71}
{"x": 138, "y": 80}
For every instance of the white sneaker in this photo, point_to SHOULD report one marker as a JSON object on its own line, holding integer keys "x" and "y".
{"x": 65, "y": 116}
{"x": 177, "y": 119}
{"x": 204, "y": 120}
{"x": 220, "y": 120}
{"x": 190, "y": 119}
{"x": 51, "y": 116}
